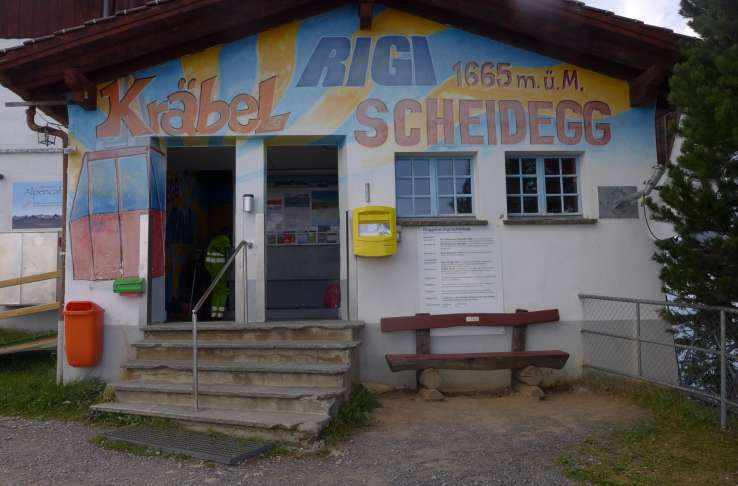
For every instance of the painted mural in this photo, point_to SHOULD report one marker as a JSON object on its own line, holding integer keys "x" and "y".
{"x": 408, "y": 84}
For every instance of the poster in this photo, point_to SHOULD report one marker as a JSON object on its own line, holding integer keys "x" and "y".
{"x": 37, "y": 205}
{"x": 460, "y": 273}
{"x": 302, "y": 217}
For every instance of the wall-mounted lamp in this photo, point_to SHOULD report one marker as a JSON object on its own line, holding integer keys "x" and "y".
{"x": 248, "y": 203}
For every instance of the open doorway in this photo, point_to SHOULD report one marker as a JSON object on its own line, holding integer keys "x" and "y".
{"x": 302, "y": 233}
{"x": 199, "y": 218}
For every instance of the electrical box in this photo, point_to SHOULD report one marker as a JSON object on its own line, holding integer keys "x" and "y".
{"x": 375, "y": 231}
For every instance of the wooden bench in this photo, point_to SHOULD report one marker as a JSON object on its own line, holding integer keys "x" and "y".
{"x": 516, "y": 359}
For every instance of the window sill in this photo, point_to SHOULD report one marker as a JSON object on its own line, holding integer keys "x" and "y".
{"x": 441, "y": 221}
{"x": 547, "y": 220}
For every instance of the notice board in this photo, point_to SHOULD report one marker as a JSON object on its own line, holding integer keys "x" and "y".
{"x": 460, "y": 272}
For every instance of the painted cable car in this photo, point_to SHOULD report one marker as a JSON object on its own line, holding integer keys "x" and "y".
{"x": 115, "y": 187}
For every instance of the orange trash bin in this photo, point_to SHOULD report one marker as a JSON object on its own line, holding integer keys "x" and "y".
{"x": 83, "y": 333}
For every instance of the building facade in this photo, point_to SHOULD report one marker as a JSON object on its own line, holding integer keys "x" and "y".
{"x": 504, "y": 163}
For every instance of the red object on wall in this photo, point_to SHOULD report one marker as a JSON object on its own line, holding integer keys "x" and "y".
{"x": 83, "y": 333}
{"x": 332, "y": 297}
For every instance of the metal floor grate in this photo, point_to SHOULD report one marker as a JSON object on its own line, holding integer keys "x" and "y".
{"x": 223, "y": 450}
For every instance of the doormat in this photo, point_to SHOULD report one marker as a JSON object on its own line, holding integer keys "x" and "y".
{"x": 216, "y": 448}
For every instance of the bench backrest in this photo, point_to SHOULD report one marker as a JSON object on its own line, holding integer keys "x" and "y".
{"x": 440, "y": 321}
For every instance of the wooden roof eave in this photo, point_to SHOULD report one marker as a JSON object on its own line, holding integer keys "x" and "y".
{"x": 618, "y": 47}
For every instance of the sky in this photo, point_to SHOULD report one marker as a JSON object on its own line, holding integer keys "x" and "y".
{"x": 664, "y": 13}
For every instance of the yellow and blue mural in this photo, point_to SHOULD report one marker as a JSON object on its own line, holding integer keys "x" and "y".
{"x": 408, "y": 84}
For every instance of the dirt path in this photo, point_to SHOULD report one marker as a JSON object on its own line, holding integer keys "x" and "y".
{"x": 509, "y": 440}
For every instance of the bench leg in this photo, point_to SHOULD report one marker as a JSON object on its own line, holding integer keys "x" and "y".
{"x": 429, "y": 382}
{"x": 526, "y": 381}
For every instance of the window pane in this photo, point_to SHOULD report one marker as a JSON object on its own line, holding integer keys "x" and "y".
{"x": 403, "y": 168}
{"x": 571, "y": 204}
{"x": 404, "y": 207}
{"x": 133, "y": 194}
{"x": 445, "y": 167}
{"x": 513, "y": 185}
{"x": 422, "y": 206}
{"x": 529, "y": 166}
{"x": 104, "y": 186}
{"x": 513, "y": 205}
{"x": 552, "y": 166}
{"x": 530, "y": 185}
{"x": 553, "y": 204}
{"x": 530, "y": 204}
{"x": 512, "y": 166}
{"x": 570, "y": 185}
{"x": 462, "y": 167}
{"x": 422, "y": 187}
{"x": 421, "y": 168}
{"x": 404, "y": 187}
{"x": 553, "y": 185}
{"x": 569, "y": 165}
{"x": 463, "y": 186}
{"x": 446, "y": 205}
{"x": 445, "y": 186}
{"x": 464, "y": 205}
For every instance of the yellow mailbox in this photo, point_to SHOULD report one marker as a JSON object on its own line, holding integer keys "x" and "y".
{"x": 375, "y": 231}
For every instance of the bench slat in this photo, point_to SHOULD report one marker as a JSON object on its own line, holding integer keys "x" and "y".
{"x": 430, "y": 321}
{"x": 478, "y": 361}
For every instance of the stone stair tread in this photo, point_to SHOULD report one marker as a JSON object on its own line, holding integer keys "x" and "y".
{"x": 260, "y": 391}
{"x": 297, "y": 421}
{"x": 261, "y": 326}
{"x": 239, "y": 344}
{"x": 324, "y": 369}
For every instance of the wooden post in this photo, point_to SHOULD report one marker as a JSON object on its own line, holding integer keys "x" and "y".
{"x": 518, "y": 335}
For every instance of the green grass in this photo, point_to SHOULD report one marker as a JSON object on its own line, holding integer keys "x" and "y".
{"x": 12, "y": 336}
{"x": 352, "y": 415}
{"x": 28, "y": 389}
{"x": 679, "y": 442}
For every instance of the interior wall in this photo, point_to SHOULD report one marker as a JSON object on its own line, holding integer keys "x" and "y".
{"x": 200, "y": 203}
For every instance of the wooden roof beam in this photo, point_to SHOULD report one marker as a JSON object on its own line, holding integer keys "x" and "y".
{"x": 645, "y": 89}
{"x": 366, "y": 14}
{"x": 84, "y": 91}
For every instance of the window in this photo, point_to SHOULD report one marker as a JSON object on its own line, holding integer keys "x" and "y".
{"x": 433, "y": 186}
{"x": 542, "y": 185}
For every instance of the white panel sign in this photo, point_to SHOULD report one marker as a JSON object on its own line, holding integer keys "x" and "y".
{"x": 460, "y": 273}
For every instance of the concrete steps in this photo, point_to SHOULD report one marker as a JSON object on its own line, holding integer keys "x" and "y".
{"x": 231, "y": 397}
{"x": 306, "y": 352}
{"x": 280, "y": 380}
{"x": 246, "y": 373}
{"x": 282, "y": 426}
{"x": 272, "y": 331}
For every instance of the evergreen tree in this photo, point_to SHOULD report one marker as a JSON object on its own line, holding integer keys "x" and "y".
{"x": 700, "y": 196}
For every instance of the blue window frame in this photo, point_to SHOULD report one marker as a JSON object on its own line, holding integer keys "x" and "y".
{"x": 538, "y": 185}
{"x": 433, "y": 186}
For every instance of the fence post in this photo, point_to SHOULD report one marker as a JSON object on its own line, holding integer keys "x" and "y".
{"x": 723, "y": 374}
{"x": 638, "y": 339}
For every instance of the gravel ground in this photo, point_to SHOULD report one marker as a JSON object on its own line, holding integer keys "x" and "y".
{"x": 462, "y": 440}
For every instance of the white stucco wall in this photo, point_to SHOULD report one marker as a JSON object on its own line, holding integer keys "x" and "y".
{"x": 22, "y": 167}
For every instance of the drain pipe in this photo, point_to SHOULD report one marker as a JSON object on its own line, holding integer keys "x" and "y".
{"x": 62, "y": 241}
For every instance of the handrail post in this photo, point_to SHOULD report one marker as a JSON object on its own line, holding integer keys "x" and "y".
{"x": 723, "y": 375}
{"x": 194, "y": 361}
{"x": 196, "y": 309}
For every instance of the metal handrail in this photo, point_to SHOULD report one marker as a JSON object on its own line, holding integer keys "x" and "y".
{"x": 196, "y": 309}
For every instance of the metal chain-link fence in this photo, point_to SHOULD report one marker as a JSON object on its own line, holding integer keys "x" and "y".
{"x": 689, "y": 347}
